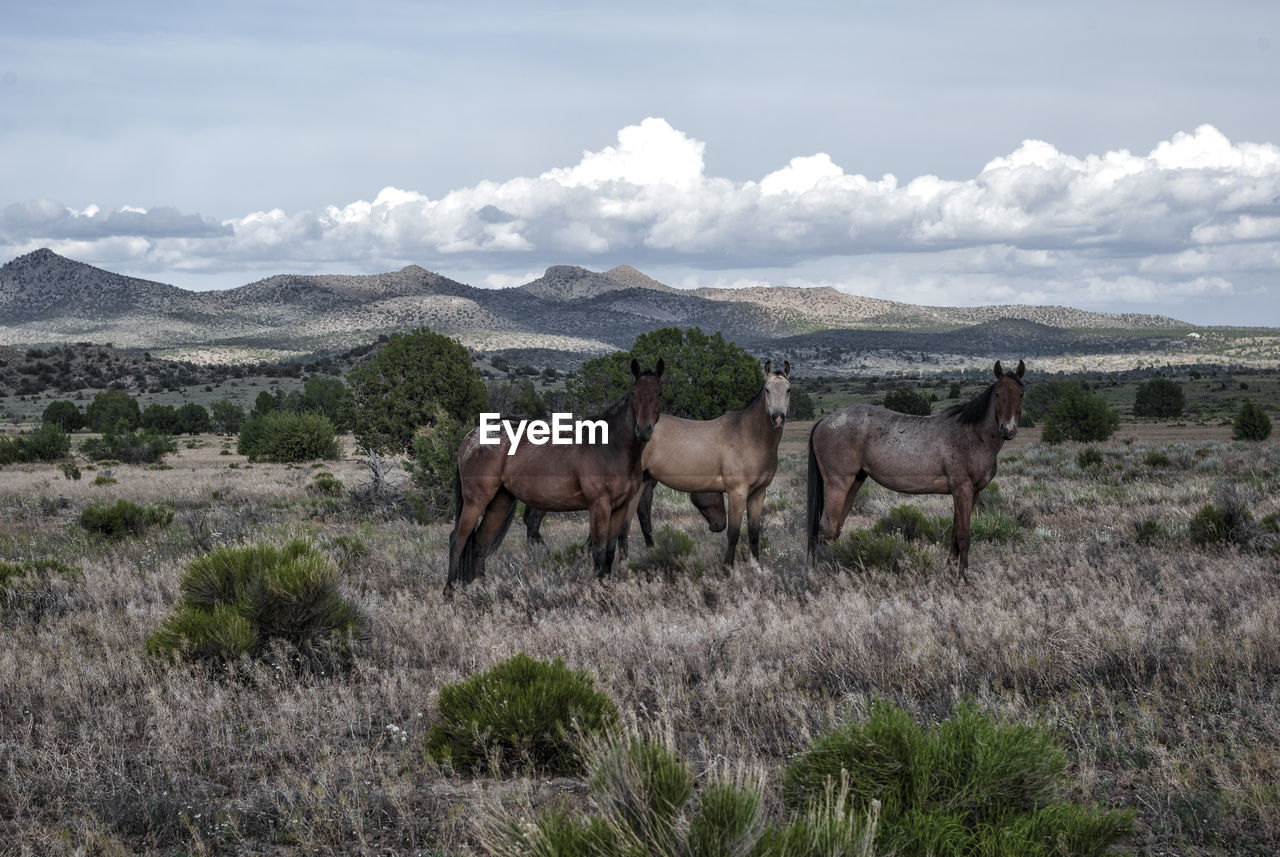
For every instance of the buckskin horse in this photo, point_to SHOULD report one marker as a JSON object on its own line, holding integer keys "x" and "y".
{"x": 951, "y": 452}
{"x": 602, "y": 478}
{"x": 735, "y": 454}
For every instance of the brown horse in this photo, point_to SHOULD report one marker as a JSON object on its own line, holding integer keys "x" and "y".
{"x": 952, "y": 452}
{"x": 602, "y": 478}
{"x": 709, "y": 503}
{"x": 735, "y": 454}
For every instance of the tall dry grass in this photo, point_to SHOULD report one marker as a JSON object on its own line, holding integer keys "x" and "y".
{"x": 1157, "y": 663}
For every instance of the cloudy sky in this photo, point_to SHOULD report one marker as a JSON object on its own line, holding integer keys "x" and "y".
{"x": 1112, "y": 156}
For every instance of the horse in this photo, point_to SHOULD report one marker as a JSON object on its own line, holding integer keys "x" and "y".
{"x": 735, "y": 454}
{"x": 710, "y": 504}
{"x": 951, "y": 452}
{"x": 602, "y": 478}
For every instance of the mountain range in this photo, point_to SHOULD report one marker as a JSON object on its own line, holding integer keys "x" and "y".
{"x": 48, "y": 299}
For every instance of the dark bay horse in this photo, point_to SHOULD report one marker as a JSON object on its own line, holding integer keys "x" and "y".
{"x": 735, "y": 454}
{"x": 952, "y": 452}
{"x": 709, "y": 503}
{"x": 602, "y": 478}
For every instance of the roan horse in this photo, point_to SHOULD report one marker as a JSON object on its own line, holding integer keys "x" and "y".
{"x": 952, "y": 452}
{"x": 735, "y": 454}
{"x": 601, "y": 478}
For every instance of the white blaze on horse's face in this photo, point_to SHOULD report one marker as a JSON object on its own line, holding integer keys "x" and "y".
{"x": 777, "y": 393}
{"x": 1009, "y": 389}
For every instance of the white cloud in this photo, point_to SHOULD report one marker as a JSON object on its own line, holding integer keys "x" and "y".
{"x": 1033, "y": 225}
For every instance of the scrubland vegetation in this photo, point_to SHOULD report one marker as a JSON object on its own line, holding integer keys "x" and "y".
{"x": 1135, "y": 635}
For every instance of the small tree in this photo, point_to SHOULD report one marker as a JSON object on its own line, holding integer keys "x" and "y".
{"x": 1160, "y": 399}
{"x": 227, "y": 416}
{"x": 109, "y": 408}
{"x": 1252, "y": 422}
{"x": 398, "y": 390}
{"x": 908, "y": 401}
{"x": 160, "y": 418}
{"x": 1080, "y": 416}
{"x": 287, "y": 436}
{"x": 328, "y": 396}
{"x": 193, "y": 418}
{"x": 65, "y": 414}
{"x": 801, "y": 405}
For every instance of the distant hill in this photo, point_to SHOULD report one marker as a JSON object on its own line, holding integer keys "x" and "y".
{"x": 47, "y": 299}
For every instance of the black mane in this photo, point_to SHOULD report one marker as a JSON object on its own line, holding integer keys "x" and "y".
{"x": 974, "y": 411}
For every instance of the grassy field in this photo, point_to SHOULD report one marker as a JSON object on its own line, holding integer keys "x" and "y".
{"x": 1156, "y": 662}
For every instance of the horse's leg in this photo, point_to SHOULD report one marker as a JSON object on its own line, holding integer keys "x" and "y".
{"x": 643, "y": 510}
{"x": 839, "y": 503}
{"x": 463, "y": 530}
{"x": 493, "y": 523}
{"x": 533, "y": 524}
{"x": 629, "y": 510}
{"x": 602, "y": 549}
{"x": 962, "y": 495}
{"x": 711, "y": 505}
{"x": 737, "y": 500}
{"x": 755, "y": 523}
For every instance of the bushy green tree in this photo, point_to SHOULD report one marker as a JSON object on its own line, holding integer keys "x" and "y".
{"x": 704, "y": 376}
{"x": 227, "y": 416}
{"x": 433, "y": 465}
{"x": 111, "y": 407}
{"x": 1081, "y": 416}
{"x": 193, "y": 418}
{"x": 160, "y": 418}
{"x": 65, "y": 414}
{"x": 801, "y": 405}
{"x": 1252, "y": 422}
{"x": 130, "y": 447}
{"x": 1159, "y": 399}
{"x": 908, "y": 401}
{"x": 398, "y": 390}
{"x": 50, "y": 442}
{"x": 330, "y": 397}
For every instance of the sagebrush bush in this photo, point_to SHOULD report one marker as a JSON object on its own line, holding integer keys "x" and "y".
{"x": 288, "y": 437}
{"x": 865, "y": 549}
{"x": 1147, "y": 531}
{"x": 326, "y": 484}
{"x": 519, "y": 714}
{"x": 913, "y": 524}
{"x": 969, "y": 785}
{"x": 1088, "y": 457}
{"x": 123, "y": 518}
{"x": 235, "y": 600}
{"x": 1229, "y": 520}
{"x": 50, "y": 442}
{"x": 1156, "y": 458}
{"x": 995, "y": 527}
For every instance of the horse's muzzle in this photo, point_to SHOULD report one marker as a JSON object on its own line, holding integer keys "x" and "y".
{"x": 1009, "y": 431}
{"x": 778, "y": 420}
{"x": 644, "y": 433}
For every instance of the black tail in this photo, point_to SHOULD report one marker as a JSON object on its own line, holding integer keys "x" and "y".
{"x": 815, "y": 497}
{"x": 467, "y": 559}
{"x": 506, "y": 525}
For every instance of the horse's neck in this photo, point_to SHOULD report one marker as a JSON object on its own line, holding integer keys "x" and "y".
{"x": 989, "y": 429}
{"x": 622, "y": 427}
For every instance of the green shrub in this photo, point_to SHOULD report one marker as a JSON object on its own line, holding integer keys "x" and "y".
{"x": 865, "y": 550}
{"x": 1080, "y": 416}
{"x": 1147, "y": 531}
{"x": 802, "y": 407}
{"x": 913, "y": 524}
{"x": 1156, "y": 458}
{"x": 1208, "y": 526}
{"x": 997, "y": 527}
{"x": 130, "y": 447}
{"x": 969, "y": 785}
{"x": 669, "y": 554}
{"x": 433, "y": 466}
{"x": 326, "y": 484}
{"x": 1251, "y": 423}
{"x": 104, "y": 479}
{"x": 1270, "y": 523}
{"x": 50, "y": 442}
{"x": 227, "y": 416}
{"x": 31, "y": 586}
{"x": 65, "y": 414}
{"x": 111, "y": 408}
{"x": 1159, "y": 399}
{"x": 521, "y": 713}
{"x": 908, "y": 401}
{"x": 235, "y": 600}
{"x": 643, "y": 795}
{"x": 123, "y": 518}
{"x": 288, "y": 436}
{"x": 1088, "y": 457}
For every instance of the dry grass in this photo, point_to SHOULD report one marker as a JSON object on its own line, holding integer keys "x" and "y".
{"x": 1158, "y": 665}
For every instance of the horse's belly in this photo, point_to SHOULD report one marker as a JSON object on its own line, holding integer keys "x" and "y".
{"x": 912, "y": 485}
{"x": 689, "y": 480}
{"x": 551, "y": 493}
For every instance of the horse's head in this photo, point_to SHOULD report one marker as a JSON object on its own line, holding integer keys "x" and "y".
{"x": 646, "y": 398}
{"x": 1009, "y": 389}
{"x": 777, "y": 393}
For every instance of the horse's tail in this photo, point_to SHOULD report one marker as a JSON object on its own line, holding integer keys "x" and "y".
{"x": 814, "y": 498}
{"x": 506, "y": 525}
{"x": 466, "y": 570}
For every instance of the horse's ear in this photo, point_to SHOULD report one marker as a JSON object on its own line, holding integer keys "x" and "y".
{"x": 999, "y": 371}
{"x": 635, "y": 367}
{"x": 1022, "y": 368}
{"x": 658, "y": 369}
{"x": 768, "y": 368}
{"x": 786, "y": 368}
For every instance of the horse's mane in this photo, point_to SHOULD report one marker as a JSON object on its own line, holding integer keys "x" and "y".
{"x": 614, "y": 410}
{"x": 974, "y": 411}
